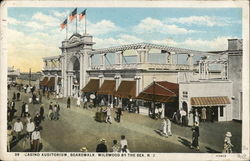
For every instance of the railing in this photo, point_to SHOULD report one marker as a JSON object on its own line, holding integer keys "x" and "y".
{"x": 13, "y": 73}
{"x": 145, "y": 66}
{"x": 51, "y": 68}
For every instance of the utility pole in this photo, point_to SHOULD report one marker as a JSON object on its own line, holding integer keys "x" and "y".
{"x": 29, "y": 76}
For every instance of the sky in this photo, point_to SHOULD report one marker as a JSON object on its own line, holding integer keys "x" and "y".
{"x": 34, "y": 33}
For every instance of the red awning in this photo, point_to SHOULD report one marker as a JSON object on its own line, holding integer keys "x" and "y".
{"x": 160, "y": 92}
{"x": 107, "y": 88}
{"x": 44, "y": 81}
{"x": 210, "y": 101}
{"x": 127, "y": 89}
{"x": 92, "y": 86}
{"x": 51, "y": 82}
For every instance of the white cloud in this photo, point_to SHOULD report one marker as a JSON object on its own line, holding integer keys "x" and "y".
{"x": 34, "y": 25}
{"x": 13, "y": 21}
{"x": 219, "y": 43}
{"x": 129, "y": 39}
{"x": 168, "y": 41}
{"x": 61, "y": 14}
{"x": 23, "y": 49}
{"x": 201, "y": 20}
{"x": 120, "y": 40}
{"x": 150, "y": 25}
{"x": 45, "y": 19}
{"x": 102, "y": 27}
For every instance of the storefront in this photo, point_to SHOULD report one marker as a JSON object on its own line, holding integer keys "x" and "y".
{"x": 160, "y": 94}
{"x": 212, "y": 107}
{"x": 210, "y": 98}
{"x": 126, "y": 93}
{"x": 106, "y": 91}
{"x": 91, "y": 88}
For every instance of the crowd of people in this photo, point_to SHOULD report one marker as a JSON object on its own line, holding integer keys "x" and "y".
{"x": 27, "y": 128}
{"x": 24, "y": 128}
{"x": 195, "y": 115}
{"x": 116, "y": 147}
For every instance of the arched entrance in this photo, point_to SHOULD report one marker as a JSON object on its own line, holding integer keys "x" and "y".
{"x": 74, "y": 70}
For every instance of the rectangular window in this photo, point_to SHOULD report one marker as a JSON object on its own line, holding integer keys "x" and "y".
{"x": 221, "y": 111}
{"x": 185, "y": 94}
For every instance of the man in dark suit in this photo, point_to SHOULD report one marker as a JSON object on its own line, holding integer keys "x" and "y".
{"x": 119, "y": 113}
{"x": 68, "y": 102}
{"x": 102, "y": 147}
{"x": 23, "y": 110}
{"x": 37, "y": 120}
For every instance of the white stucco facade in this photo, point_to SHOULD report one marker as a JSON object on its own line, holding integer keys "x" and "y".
{"x": 207, "y": 88}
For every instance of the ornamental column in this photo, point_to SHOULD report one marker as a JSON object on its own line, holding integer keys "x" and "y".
{"x": 81, "y": 71}
{"x": 117, "y": 81}
{"x": 142, "y": 55}
{"x": 118, "y": 58}
{"x": 138, "y": 84}
{"x": 90, "y": 60}
{"x": 65, "y": 78}
{"x": 68, "y": 85}
{"x": 71, "y": 85}
{"x": 169, "y": 57}
{"x": 55, "y": 85}
{"x": 190, "y": 59}
{"x": 103, "y": 61}
{"x": 101, "y": 80}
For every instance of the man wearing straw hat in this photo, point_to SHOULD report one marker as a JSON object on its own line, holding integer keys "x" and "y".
{"x": 102, "y": 147}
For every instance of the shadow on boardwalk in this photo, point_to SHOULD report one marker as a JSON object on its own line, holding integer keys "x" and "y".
{"x": 184, "y": 142}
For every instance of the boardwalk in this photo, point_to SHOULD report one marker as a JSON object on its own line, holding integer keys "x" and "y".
{"x": 77, "y": 127}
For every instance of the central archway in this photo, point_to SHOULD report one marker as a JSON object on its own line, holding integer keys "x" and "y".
{"x": 74, "y": 66}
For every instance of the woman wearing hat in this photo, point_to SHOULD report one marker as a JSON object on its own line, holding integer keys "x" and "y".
{"x": 84, "y": 149}
{"x": 195, "y": 136}
{"x": 227, "y": 143}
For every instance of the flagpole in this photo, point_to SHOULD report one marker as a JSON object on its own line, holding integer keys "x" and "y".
{"x": 76, "y": 22}
{"x": 85, "y": 23}
{"x": 67, "y": 30}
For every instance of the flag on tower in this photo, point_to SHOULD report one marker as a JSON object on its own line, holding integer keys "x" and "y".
{"x": 73, "y": 15}
{"x": 64, "y": 24}
{"x": 82, "y": 14}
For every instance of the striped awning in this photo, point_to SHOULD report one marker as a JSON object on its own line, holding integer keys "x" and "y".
{"x": 92, "y": 86}
{"x": 161, "y": 91}
{"x": 127, "y": 89}
{"x": 210, "y": 101}
{"x": 107, "y": 88}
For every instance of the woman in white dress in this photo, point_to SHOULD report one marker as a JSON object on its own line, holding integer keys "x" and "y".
{"x": 78, "y": 102}
{"x": 196, "y": 116}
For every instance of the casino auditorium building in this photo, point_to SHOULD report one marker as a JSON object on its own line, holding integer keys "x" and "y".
{"x": 146, "y": 73}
